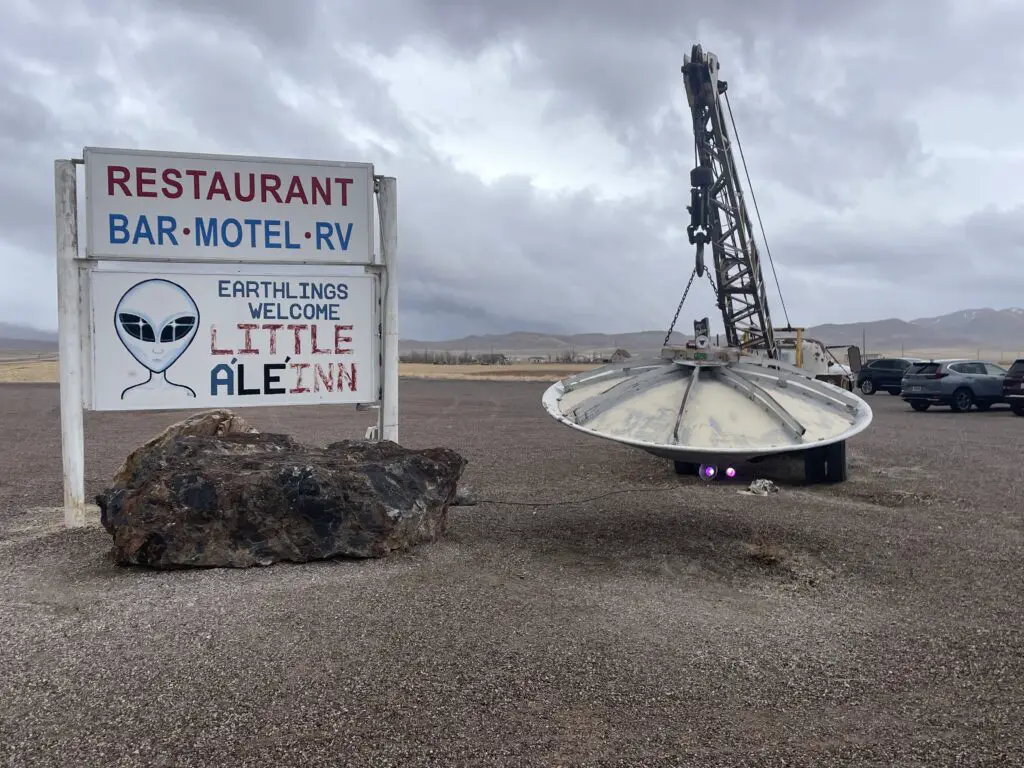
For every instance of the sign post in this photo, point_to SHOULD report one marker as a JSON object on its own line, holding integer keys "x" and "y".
{"x": 222, "y": 281}
{"x": 69, "y": 296}
{"x": 388, "y": 416}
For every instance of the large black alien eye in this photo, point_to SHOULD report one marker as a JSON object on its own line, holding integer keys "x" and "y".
{"x": 137, "y": 327}
{"x": 178, "y": 328}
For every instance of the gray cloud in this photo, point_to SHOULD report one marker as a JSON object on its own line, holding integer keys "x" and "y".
{"x": 865, "y": 215}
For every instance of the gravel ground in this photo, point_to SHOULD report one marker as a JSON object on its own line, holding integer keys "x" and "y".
{"x": 880, "y": 622}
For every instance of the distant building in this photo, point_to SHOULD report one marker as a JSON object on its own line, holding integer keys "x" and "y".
{"x": 496, "y": 358}
{"x": 617, "y": 356}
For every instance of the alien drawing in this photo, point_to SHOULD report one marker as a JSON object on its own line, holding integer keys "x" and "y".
{"x": 156, "y": 320}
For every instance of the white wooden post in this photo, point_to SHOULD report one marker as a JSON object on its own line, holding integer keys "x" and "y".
{"x": 69, "y": 295}
{"x": 387, "y": 417}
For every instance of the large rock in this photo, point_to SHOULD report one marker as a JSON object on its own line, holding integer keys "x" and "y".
{"x": 218, "y": 421}
{"x": 253, "y": 499}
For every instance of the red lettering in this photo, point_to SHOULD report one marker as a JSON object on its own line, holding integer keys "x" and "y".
{"x": 269, "y": 184}
{"x": 344, "y": 189}
{"x": 298, "y": 389}
{"x": 172, "y": 183}
{"x": 247, "y": 329}
{"x": 273, "y": 328}
{"x": 118, "y": 175}
{"x": 295, "y": 190}
{"x": 347, "y": 377}
{"x": 247, "y": 196}
{"x": 326, "y": 378}
{"x": 321, "y": 190}
{"x": 143, "y": 177}
{"x": 218, "y": 187}
{"x": 213, "y": 344}
{"x": 312, "y": 338}
{"x": 339, "y": 340}
{"x": 196, "y": 175}
{"x": 298, "y": 339}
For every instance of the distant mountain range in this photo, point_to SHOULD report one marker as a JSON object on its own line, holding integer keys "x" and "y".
{"x": 991, "y": 329}
{"x": 14, "y": 337}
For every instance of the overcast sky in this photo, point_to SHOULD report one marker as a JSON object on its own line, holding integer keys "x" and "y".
{"x": 543, "y": 148}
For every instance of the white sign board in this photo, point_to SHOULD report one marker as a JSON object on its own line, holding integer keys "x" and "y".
{"x": 166, "y": 340}
{"x": 189, "y": 207}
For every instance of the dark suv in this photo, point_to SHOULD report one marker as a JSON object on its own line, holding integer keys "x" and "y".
{"x": 1013, "y": 387}
{"x": 884, "y": 374}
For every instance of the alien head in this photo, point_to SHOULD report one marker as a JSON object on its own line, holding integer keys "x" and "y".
{"x": 156, "y": 320}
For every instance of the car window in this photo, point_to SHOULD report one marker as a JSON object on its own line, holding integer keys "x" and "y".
{"x": 994, "y": 370}
{"x": 924, "y": 368}
{"x": 970, "y": 368}
{"x": 1017, "y": 369}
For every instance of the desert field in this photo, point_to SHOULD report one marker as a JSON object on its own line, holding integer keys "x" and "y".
{"x": 592, "y": 609}
{"x": 26, "y": 370}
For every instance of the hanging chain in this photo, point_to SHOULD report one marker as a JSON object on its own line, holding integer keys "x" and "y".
{"x": 711, "y": 280}
{"x": 679, "y": 309}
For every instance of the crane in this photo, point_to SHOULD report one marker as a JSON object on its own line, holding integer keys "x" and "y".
{"x": 719, "y": 218}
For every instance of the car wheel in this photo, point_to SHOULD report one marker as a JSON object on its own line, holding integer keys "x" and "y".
{"x": 867, "y": 387}
{"x": 919, "y": 406}
{"x": 962, "y": 400}
{"x": 1018, "y": 410}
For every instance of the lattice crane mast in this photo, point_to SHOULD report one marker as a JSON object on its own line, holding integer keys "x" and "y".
{"x": 718, "y": 213}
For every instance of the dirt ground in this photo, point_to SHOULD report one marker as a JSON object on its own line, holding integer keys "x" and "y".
{"x": 593, "y": 609}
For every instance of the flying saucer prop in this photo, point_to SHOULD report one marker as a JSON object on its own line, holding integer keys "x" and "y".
{"x": 708, "y": 406}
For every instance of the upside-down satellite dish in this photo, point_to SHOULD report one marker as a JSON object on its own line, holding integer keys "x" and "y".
{"x": 714, "y": 406}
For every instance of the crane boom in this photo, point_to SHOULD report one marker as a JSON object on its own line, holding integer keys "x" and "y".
{"x": 718, "y": 213}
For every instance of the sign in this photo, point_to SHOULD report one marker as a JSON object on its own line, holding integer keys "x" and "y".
{"x": 166, "y": 340}
{"x": 214, "y": 281}
{"x": 192, "y": 207}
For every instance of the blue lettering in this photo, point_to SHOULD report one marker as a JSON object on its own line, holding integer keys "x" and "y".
{"x": 343, "y": 238}
{"x": 165, "y": 226}
{"x": 206, "y": 235}
{"x": 223, "y": 286}
{"x": 271, "y": 233}
{"x": 235, "y": 239}
{"x": 288, "y": 236}
{"x": 222, "y": 376}
{"x": 256, "y": 310}
{"x": 118, "y": 229}
{"x": 143, "y": 232}
{"x": 324, "y": 231}
{"x": 253, "y": 223}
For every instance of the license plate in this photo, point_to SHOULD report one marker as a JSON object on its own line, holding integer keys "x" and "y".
{"x": 915, "y": 389}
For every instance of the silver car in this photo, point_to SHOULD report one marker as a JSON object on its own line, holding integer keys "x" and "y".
{"x": 956, "y": 383}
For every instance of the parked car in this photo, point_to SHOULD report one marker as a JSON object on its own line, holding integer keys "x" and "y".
{"x": 959, "y": 384}
{"x": 1013, "y": 387}
{"x": 885, "y": 373}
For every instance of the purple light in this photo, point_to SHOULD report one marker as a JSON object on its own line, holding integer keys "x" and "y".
{"x": 709, "y": 471}
{"x": 730, "y": 472}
